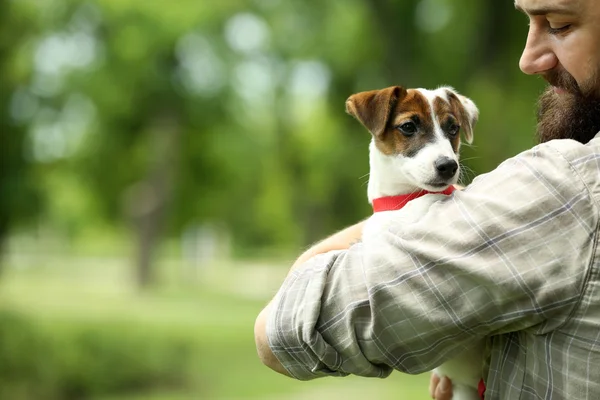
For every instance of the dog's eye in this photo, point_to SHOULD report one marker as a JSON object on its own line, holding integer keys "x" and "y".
{"x": 453, "y": 129}
{"x": 408, "y": 128}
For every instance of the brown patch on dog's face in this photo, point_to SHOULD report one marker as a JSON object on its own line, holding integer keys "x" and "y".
{"x": 465, "y": 120}
{"x": 400, "y": 120}
{"x": 448, "y": 116}
{"x": 373, "y": 108}
{"x": 413, "y": 112}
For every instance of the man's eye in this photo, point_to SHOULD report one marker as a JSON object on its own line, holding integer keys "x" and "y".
{"x": 556, "y": 30}
{"x": 408, "y": 128}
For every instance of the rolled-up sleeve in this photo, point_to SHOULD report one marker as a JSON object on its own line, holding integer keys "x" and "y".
{"x": 509, "y": 253}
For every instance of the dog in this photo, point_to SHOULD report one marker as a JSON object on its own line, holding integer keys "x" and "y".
{"x": 414, "y": 151}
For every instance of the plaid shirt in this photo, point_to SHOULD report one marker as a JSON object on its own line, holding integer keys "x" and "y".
{"x": 511, "y": 260}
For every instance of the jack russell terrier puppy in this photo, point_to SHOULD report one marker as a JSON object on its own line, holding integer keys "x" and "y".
{"x": 414, "y": 152}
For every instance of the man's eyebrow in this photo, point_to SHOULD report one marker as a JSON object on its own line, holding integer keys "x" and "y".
{"x": 545, "y": 10}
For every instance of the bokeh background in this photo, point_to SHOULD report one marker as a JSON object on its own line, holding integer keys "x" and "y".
{"x": 163, "y": 163}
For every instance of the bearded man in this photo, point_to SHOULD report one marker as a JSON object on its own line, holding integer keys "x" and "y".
{"x": 513, "y": 259}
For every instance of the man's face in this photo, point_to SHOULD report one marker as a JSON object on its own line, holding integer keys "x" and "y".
{"x": 563, "y": 46}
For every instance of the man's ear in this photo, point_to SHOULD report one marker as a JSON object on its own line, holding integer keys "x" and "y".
{"x": 373, "y": 108}
{"x": 466, "y": 111}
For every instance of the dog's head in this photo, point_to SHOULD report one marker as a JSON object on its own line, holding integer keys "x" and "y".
{"x": 417, "y": 130}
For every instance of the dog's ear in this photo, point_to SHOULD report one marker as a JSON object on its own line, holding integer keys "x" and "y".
{"x": 466, "y": 111}
{"x": 373, "y": 108}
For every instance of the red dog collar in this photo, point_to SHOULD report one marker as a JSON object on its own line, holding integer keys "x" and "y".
{"x": 391, "y": 203}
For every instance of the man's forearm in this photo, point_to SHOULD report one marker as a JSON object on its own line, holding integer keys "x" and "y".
{"x": 338, "y": 241}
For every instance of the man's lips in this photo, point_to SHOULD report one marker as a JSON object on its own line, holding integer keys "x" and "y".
{"x": 559, "y": 90}
{"x": 561, "y": 82}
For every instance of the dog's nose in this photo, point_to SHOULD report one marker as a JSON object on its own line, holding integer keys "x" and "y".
{"x": 446, "y": 167}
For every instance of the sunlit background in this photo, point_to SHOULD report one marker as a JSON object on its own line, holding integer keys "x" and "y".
{"x": 163, "y": 163}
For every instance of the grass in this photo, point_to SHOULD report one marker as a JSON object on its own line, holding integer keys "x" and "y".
{"x": 213, "y": 315}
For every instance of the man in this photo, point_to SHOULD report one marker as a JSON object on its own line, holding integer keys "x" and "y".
{"x": 513, "y": 258}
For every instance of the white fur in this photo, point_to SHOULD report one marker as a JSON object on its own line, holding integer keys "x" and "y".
{"x": 394, "y": 175}
{"x": 465, "y": 372}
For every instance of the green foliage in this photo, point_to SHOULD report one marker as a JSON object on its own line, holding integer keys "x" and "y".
{"x": 19, "y": 200}
{"x": 258, "y": 139}
{"x": 86, "y": 361}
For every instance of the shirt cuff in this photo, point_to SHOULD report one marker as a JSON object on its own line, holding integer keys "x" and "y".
{"x": 292, "y": 319}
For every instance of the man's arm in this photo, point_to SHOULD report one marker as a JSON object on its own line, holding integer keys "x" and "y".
{"x": 481, "y": 262}
{"x": 338, "y": 241}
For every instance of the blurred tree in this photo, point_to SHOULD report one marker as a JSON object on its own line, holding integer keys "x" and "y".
{"x": 164, "y": 118}
{"x": 19, "y": 202}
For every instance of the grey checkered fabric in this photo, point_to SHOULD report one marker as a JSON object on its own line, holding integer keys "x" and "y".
{"x": 511, "y": 260}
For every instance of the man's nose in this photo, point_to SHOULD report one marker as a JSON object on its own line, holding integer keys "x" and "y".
{"x": 537, "y": 56}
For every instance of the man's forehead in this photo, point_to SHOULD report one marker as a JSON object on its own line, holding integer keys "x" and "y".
{"x": 543, "y": 7}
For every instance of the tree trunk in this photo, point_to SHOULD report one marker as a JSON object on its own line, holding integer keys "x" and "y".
{"x": 148, "y": 201}
{"x": 396, "y": 69}
{"x": 3, "y": 237}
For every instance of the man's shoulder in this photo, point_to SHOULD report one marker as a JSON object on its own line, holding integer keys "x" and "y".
{"x": 574, "y": 163}
{"x": 571, "y": 150}
{"x": 554, "y": 154}
{"x": 560, "y": 156}
{"x": 557, "y": 166}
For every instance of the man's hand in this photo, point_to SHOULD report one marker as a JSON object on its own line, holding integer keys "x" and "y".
{"x": 339, "y": 241}
{"x": 440, "y": 389}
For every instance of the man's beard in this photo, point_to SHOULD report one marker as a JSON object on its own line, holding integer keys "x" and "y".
{"x": 571, "y": 115}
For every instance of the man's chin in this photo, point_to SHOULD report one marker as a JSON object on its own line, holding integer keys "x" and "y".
{"x": 566, "y": 115}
